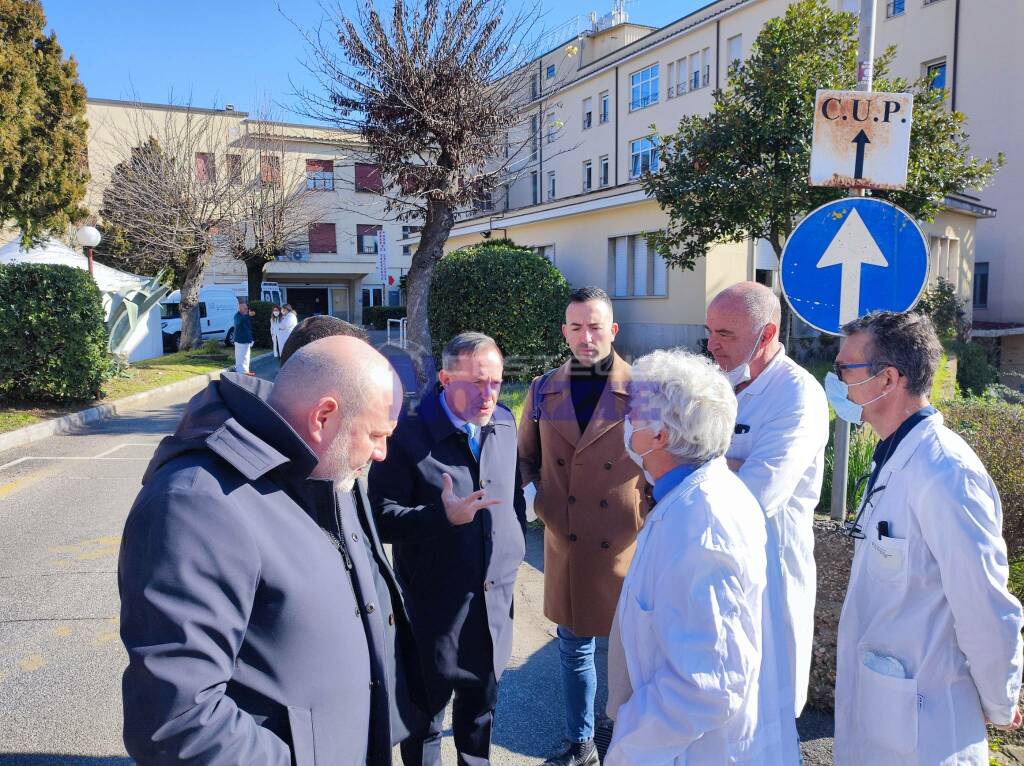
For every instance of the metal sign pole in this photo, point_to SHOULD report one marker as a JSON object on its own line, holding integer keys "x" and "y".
{"x": 865, "y": 81}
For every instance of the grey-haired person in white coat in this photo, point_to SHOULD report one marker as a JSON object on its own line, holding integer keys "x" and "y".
{"x": 708, "y": 682}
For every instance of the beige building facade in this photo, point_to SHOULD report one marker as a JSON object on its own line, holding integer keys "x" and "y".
{"x": 575, "y": 194}
{"x": 334, "y": 265}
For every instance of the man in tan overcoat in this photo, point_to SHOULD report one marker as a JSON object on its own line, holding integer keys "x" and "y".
{"x": 590, "y": 496}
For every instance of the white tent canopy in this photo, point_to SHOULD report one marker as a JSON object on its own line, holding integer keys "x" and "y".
{"x": 55, "y": 252}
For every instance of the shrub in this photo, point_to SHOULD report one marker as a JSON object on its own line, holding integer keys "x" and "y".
{"x": 945, "y": 310}
{"x": 377, "y": 316}
{"x": 53, "y": 343}
{"x": 995, "y": 432}
{"x": 261, "y": 323}
{"x": 510, "y": 293}
{"x": 973, "y": 372}
{"x": 1002, "y": 393}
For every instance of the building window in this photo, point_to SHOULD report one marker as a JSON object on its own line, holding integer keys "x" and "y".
{"x": 636, "y": 270}
{"x": 643, "y": 157}
{"x": 545, "y": 251}
{"x": 604, "y": 106}
{"x": 270, "y": 170}
{"x": 552, "y": 128}
{"x": 206, "y": 171}
{"x": 407, "y": 250}
{"x": 735, "y": 48}
{"x": 368, "y": 178}
{"x": 603, "y": 170}
{"x": 705, "y": 63}
{"x": 643, "y": 88}
{"x": 535, "y": 86}
{"x": 588, "y": 113}
{"x": 938, "y": 71}
{"x": 366, "y": 238}
{"x": 535, "y": 187}
{"x": 981, "y": 285}
{"x": 551, "y": 185}
{"x": 408, "y": 231}
{"x": 588, "y": 175}
{"x": 322, "y": 238}
{"x": 550, "y": 72}
{"x": 234, "y": 163}
{"x": 534, "y": 137}
{"x": 320, "y": 175}
{"x": 895, "y": 8}
{"x": 695, "y": 71}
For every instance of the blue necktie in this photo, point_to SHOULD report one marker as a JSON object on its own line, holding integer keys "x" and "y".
{"x": 474, "y": 442}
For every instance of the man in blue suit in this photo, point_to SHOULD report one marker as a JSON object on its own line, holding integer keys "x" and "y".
{"x": 449, "y": 497}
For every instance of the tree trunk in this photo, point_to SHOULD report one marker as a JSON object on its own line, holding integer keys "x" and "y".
{"x": 195, "y": 268}
{"x": 786, "y": 320}
{"x": 437, "y": 225}
{"x": 254, "y": 276}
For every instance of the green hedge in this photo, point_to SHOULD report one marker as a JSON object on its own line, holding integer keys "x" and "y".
{"x": 53, "y": 342}
{"x": 995, "y": 431}
{"x": 261, "y": 323}
{"x": 507, "y": 292}
{"x": 974, "y": 374}
{"x": 377, "y": 316}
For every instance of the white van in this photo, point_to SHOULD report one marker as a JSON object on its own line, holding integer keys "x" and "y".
{"x": 217, "y": 308}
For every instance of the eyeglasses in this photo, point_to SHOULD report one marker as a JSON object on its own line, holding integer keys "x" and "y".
{"x": 838, "y": 368}
{"x": 852, "y": 528}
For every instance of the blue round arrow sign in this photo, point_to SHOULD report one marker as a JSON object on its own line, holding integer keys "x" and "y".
{"x": 850, "y": 257}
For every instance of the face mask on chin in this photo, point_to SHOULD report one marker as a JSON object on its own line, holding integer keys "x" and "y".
{"x": 635, "y": 456}
{"x": 838, "y": 396}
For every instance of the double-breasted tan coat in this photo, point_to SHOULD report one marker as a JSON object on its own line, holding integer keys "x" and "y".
{"x": 590, "y": 496}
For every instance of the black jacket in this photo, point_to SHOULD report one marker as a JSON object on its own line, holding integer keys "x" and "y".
{"x": 452, "y": 576}
{"x": 246, "y": 625}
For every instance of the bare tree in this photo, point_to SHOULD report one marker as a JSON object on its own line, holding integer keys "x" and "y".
{"x": 169, "y": 197}
{"x": 442, "y": 94}
{"x": 273, "y": 204}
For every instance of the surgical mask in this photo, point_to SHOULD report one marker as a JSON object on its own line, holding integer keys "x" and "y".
{"x": 635, "y": 456}
{"x": 277, "y": 313}
{"x": 838, "y": 396}
{"x": 741, "y": 373}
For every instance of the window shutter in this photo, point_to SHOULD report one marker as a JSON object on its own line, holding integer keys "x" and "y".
{"x": 322, "y": 238}
{"x": 621, "y": 266}
{"x": 640, "y": 265}
{"x": 368, "y": 178}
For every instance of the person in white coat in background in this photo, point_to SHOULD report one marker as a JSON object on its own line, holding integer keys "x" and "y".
{"x": 929, "y": 644}
{"x": 285, "y": 324}
{"x": 696, "y": 609}
{"x": 777, "y": 448}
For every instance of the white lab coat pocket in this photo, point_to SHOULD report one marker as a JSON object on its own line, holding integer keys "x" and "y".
{"x": 644, "y": 639}
{"x": 887, "y": 558}
{"x": 887, "y": 708}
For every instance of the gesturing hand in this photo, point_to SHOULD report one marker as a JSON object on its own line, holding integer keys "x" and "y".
{"x": 461, "y": 510}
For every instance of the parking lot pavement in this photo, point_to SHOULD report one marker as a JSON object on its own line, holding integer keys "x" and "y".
{"x": 63, "y": 502}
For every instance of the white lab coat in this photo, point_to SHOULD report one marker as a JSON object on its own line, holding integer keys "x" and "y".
{"x": 694, "y": 608}
{"x": 932, "y": 596}
{"x": 282, "y": 329}
{"x": 784, "y": 414}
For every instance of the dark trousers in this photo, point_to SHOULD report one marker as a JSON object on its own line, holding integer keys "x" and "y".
{"x": 472, "y": 716}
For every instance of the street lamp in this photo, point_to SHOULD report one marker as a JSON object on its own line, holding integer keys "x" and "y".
{"x": 89, "y": 237}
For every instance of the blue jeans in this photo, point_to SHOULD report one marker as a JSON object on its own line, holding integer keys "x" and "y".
{"x": 579, "y": 683}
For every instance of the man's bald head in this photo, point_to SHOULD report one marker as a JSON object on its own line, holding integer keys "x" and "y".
{"x": 751, "y": 299}
{"x": 343, "y": 398}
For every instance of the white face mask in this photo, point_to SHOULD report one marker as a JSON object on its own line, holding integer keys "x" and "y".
{"x": 741, "y": 373}
{"x": 635, "y": 456}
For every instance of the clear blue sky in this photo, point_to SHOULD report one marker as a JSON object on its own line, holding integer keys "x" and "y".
{"x": 241, "y": 52}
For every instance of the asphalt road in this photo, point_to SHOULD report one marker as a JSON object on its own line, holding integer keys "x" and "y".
{"x": 63, "y": 502}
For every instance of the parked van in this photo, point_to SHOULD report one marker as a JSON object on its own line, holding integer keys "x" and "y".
{"x": 217, "y": 308}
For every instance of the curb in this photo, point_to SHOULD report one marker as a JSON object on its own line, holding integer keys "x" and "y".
{"x": 24, "y": 436}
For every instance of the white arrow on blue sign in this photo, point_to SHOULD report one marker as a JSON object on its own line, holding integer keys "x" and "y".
{"x": 850, "y": 257}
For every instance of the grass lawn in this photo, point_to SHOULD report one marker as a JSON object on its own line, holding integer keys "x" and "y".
{"x": 139, "y": 377}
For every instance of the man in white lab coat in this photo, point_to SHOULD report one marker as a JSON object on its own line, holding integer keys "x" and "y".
{"x": 777, "y": 449}
{"x": 697, "y": 607}
{"x": 929, "y": 638}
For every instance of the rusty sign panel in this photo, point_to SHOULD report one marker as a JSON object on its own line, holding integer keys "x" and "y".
{"x": 861, "y": 139}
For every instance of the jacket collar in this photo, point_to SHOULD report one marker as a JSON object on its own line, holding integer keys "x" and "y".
{"x": 256, "y": 439}
{"x": 611, "y": 407}
{"x": 708, "y": 470}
